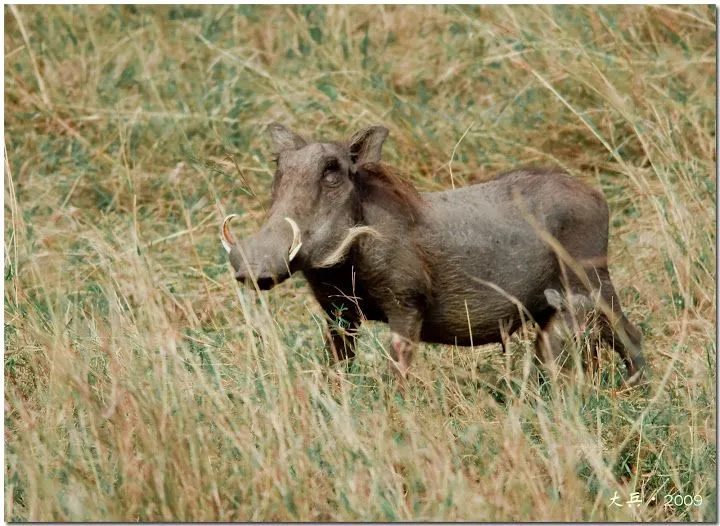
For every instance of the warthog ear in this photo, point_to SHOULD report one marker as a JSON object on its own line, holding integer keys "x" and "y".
{"x": 581, "y": 302}
{"x": 554, "y": 298}
{"x": 366, "y": 145}
{"x": 284, "y": 138}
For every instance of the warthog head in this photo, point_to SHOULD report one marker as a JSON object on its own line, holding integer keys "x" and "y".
{"x": 315, "y": 208}
{"x": 578, "y": 311}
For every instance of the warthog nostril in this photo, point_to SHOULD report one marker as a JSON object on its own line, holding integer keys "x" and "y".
{"x": 265, "y": 282}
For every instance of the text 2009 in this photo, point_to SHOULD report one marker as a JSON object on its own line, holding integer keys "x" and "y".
{"x": 683, "y": 500}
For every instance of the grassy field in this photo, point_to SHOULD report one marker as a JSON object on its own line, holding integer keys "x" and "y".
{"x": 142, "y": 383}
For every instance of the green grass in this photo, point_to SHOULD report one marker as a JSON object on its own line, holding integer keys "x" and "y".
{"x": 142, "y": 383}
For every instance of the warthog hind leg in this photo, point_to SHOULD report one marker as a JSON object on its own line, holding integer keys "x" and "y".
{"x": 613, "y": 326}
{"x": 618, "y": 332}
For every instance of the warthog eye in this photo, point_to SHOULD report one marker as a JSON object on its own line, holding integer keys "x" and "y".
{"x": 332, "y": 165}
{"x": 331, "y": 178}
{"x": 331, "y": 172}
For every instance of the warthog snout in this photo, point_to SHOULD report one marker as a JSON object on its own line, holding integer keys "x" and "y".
{"x": 267, "y": 255}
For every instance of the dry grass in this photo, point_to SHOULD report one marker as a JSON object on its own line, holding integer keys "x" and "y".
{"x": 141, "y": 383}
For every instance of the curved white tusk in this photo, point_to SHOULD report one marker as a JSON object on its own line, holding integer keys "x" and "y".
{"x": 225, "y": 236}
{"x": 341, "y": 251}
{"x": 297, "y": 239}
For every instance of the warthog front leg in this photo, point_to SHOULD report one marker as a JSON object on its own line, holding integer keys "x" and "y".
{"x": 343, "y": 314}
{"x": 343, "y": 323}
{"x": 340, "y": 339}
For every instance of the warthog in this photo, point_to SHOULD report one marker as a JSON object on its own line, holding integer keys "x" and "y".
{"x": 466, "y": 266}
{"x": 576, "y": 320}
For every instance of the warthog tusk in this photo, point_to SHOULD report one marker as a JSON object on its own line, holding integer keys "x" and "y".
{"x": 225, "y": 236}
{"x": 297, "y": 239}
{"x": 341, "y": 251}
